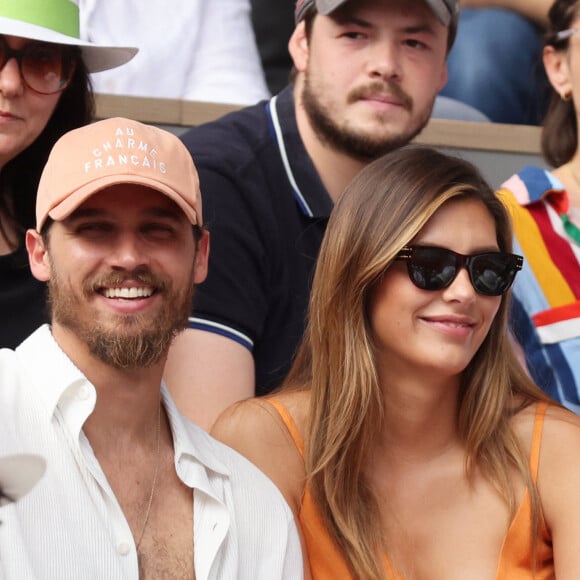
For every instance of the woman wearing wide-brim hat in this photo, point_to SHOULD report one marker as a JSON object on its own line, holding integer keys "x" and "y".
{"x": 44, "y": 92}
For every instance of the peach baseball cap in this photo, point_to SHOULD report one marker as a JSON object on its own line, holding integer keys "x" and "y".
{"x": 87, "y": 160}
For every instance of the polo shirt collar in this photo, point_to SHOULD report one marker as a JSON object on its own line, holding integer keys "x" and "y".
{"x": 308, "y": 190}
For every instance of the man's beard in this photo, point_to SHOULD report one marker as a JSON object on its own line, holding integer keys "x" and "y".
{"x": 138, "y": 340}
{"x": 357, "y": 144}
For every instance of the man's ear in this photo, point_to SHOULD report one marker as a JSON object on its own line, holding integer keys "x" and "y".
{"x": 38, "y": 256}
{"x": 200, "y": 264}
{"x": 298, "y": 47}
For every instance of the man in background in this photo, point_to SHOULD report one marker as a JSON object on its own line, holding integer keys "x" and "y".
{"x": 366, "y": 76}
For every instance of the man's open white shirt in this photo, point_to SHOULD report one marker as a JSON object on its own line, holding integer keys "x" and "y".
{"x": 70, "y": 525}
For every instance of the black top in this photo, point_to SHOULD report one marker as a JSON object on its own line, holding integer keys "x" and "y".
{"x": 267, "y": 211}
{"x": 273, "y": 29}
{"x": 22, "y": 299}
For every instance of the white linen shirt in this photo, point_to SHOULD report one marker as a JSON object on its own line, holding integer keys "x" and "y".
{"x": 71, "y": 526}
{"x": 197, "y": 50}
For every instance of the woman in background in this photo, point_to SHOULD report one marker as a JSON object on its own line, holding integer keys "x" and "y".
{"x": 545, "y": 207}
{"x": 409, "y": 441}
{"x": 44, "y": 92}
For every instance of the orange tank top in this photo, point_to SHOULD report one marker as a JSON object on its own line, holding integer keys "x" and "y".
{"x": 515, "y": 562}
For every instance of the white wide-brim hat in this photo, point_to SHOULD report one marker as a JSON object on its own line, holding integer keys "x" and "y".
{"x": 57, "y": 21}
{"x": 18, "y": 475}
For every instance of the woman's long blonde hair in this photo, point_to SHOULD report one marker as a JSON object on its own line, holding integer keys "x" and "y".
{"x": 382, "y": 210}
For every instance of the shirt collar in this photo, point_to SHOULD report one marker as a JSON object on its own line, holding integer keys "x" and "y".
{"x": 54, "y": 374}
{"x": 189, "y": 440}
{"x": 533, "y": 184}
{"x": 62, "y": 386}
{"x": 308, "y": 190}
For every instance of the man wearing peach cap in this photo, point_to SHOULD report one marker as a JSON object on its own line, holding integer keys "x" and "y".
{"x": 132, "y": 489}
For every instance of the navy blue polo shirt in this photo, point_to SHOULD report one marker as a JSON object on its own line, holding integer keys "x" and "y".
{"x": 22, "y": 299}
{"x": 267, "y": 211}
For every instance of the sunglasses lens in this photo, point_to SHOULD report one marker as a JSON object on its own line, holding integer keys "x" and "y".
{"x": 46, "y": 68}
{"x": 492, "y": 274}
{"x": 432, "y": 268}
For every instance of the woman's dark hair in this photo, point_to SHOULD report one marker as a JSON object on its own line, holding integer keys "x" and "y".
{"x": 560, "y": 130}
{"x": 19, "y": 177}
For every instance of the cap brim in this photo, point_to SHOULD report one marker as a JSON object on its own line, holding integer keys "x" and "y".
{"x": 441, "y": 10}
{"x": 62, "y": 210}
{"x": 18, "y": 475}
{"x": 101, "y": 58}
{"x": 96, "y": 57}
{"x": 325, "y": 7}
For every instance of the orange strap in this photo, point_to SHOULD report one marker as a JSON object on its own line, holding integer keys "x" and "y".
{"x": 289, "y": 422}
{"x": 537, "y": 439}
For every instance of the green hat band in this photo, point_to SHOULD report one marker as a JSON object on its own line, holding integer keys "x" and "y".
{"x": 58, "y": 15}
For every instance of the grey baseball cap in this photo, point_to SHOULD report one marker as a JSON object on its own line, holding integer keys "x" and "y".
{"x": 447, "y": 11}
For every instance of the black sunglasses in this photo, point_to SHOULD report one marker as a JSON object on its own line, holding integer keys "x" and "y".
{"x": 432, "y": 268}
{"x": 44, "y": 67}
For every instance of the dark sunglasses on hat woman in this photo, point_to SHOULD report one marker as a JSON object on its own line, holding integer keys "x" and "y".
{"x": 45, "y": 68}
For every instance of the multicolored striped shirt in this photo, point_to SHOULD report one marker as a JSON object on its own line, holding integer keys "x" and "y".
{"x": 546, "y": 294}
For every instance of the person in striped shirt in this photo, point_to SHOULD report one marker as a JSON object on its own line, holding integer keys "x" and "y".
{"x": 545, "y": 207}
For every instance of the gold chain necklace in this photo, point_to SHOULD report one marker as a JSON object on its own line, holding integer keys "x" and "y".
{"x": 146, "y": 519}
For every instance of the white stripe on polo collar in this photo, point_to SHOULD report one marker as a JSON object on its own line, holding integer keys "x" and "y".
{"x": 284, "y": 155}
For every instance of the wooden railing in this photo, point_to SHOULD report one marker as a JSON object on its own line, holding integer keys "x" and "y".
{"x": 438, "y": 133}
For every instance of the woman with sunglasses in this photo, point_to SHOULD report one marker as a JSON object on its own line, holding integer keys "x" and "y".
{"x": 44, "y": 92}
{"x": 408, "y": 440}
{"x": 545, "y": 207}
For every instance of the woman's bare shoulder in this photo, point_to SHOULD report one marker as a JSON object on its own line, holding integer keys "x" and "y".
{"x": 558, "y": 423}
{"x": 247, "y": 418}
{"x": 561, "y": 437}
{"x": 525, "y": 414}
{"x": 255, "y": 429}
{"x": 245, "y": 423}
{"x": 558, "y": 484}
{"x": 297, "y": 404}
